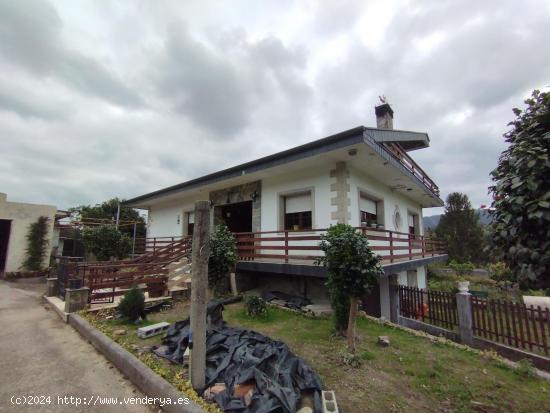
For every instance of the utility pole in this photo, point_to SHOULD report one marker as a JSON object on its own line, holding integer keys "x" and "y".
{"x": 199, "y": 284}
{"x": 117, "y": 214}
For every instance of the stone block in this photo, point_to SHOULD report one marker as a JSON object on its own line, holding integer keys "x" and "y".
{"x": 76, "y": 299}
{"x": 152, "y": 330}
{"x": 51, "y": 287}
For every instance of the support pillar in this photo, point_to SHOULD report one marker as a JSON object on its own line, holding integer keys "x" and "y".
{"x": 394, "y": 299}
{"x": 199, "y": 287}
{"x": 385, "y": 307}
{"x": 76, "y": 299}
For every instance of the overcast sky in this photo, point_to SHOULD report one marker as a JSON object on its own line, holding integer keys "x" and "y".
{"x": 102, "y": 99}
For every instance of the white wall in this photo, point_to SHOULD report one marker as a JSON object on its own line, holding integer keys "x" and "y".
{"x": 22, "y": 215}
{"x": 361, "y": 182}
{"x": 163, "y": 219}
{"x": 317, "y": 180}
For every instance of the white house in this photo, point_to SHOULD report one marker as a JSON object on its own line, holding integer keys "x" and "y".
{"x": 15, "y": 221}
{"x": 280, "y": 204}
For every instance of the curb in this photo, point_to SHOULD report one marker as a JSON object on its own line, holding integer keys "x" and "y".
{"x": 139, "y": 374}
{"x": 62, "y": 314}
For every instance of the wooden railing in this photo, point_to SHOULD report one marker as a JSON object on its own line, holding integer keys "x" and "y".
{"x": 288, "y": 246}
{"x": 429, "y": 306}
{"x": 152, "y": 244}
{"x": 513, "y": 324}
{"x": 405, "y": 160}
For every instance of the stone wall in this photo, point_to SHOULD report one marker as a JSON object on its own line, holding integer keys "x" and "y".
{"x": 236, "y": 194}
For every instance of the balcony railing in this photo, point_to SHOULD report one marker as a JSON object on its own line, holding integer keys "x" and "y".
{"x": 404, "y": 159}
{"x": 303, "y": 246}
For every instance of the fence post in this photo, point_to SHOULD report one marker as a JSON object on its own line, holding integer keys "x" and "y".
{"x": 199, "y": 284}
{"x": 464, "y": 310}
{"x": 286, "y": 246}
{"x": 391, "y": 246}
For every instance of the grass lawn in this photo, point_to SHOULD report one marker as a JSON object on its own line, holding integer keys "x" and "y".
{"x": 413, "y": 374}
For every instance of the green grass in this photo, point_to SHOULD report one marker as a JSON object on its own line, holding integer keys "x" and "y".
{"x": 413, "y": 374}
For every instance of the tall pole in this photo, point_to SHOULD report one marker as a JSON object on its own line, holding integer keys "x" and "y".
{"x": 199, "y": 284}
{"x": 117, "y": 214}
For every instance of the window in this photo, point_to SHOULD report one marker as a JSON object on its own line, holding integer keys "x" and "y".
{"x": 190, "y": 223}
{"x": 412, "y": 223}
{"x": 297, "y": 211}
{"x": 368, "y": 209}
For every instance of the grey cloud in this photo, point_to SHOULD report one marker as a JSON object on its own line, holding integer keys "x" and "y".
{"x": 30, "y": 32}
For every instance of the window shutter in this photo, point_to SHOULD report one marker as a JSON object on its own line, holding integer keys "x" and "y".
{"x": 367, "y": 205}
{"x": 298, "y": 203}
{"x": 191, "y": 219}
{"x": 411, "y": 220}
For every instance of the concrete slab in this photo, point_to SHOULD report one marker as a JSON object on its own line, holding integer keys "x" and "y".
{"x": 58, "y": 305}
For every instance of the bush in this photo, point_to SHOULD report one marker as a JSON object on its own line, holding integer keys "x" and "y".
{"x": 132, "y": 305}
{"x": 353, "y": 271}
{"x": 37, "y": 244}
{"x": 223, "y": 256}
{"x": 106, "y": 241}
{"x": 462, "y": 268}
{"x": 255, "y": 306}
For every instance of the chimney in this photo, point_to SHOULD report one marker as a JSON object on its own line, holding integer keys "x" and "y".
{"x": 384, "y": 116}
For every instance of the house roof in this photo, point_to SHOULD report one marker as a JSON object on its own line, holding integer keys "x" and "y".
{"x": 360, "y": 134}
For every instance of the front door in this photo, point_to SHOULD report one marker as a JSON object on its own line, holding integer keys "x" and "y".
{"x": 5, "y": 228}
{"x": 238, "y": 217}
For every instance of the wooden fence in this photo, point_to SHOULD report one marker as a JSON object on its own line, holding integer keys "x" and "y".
{"x": 513, "y": 324}
{"x": 302, "y": 246}
{"x": 509, "y": 323}
{"x": 433, "y": 307}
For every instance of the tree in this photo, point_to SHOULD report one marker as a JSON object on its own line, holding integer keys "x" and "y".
{"x": 105, "y": 241}
{"x": 223, "y": 256}
{"x": 353, "y": 271}
{"x": 37, "y": 244}
{"x": 460, "y": 229}
{"x": 108, "y": 211}
{"x": 520, "y": 232}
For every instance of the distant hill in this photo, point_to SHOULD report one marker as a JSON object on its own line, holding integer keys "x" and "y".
{"x": 432, "y": 221}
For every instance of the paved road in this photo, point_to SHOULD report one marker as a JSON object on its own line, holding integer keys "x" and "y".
{"x": 40, "y": 355}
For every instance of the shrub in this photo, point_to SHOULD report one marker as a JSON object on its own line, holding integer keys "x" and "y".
{"x": 462, "y": 268}
{"x": 37, "y": 244}
{"x": 223, "y": 256}
{"x": 106, "y": 241}
{"x": 353, "y": 271}
{"x": 255, "y": 306}
{"x": 525, "y": 368}
{"x": 132, "y": 305}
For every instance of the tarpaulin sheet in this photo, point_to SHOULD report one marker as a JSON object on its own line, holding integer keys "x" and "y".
{"x": 236, "y": 356}
{"x": 291, "y": 301}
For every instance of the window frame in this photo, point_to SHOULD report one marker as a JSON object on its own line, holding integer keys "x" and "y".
{"x": 282, "y": 219}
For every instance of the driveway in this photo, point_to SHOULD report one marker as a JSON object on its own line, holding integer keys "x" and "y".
{"x": 42, "y": 356}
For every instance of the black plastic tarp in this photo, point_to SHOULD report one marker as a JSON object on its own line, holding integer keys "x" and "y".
{"x": 291, "y": 301}
{"x": 236, "y": 356}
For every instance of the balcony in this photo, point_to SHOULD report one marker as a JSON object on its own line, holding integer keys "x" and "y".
{"x": 404, "y": 159}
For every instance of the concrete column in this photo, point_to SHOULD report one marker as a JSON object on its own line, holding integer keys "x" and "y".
{"x": 394, "y": 299}
{"x": 340, "y": 194}
{"x": 51, "y": 287}
{"x": 464, "y": 307}
{"x": 385, "y": 306}
{"x": 199, "y": 288}
{"x": 76, "y": 299}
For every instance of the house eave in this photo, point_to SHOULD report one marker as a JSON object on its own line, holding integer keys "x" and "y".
{"x": 361, "y": 134}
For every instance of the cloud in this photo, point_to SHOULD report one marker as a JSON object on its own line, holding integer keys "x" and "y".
{"x": 31, "y": 40}
{"x": 119, "y": 99}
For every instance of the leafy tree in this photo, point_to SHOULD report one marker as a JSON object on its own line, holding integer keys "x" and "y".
{"x": 223, "y": 256}
{"x": 132, "y": 305}
{"x": 108, "y": 211}
{"x": 520, "y": 230}
{"x": 105, "y": 241}
{"x": 460, "y": 229}
{"x": 37, "y": 244}
{"x": 353, "y": 271}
